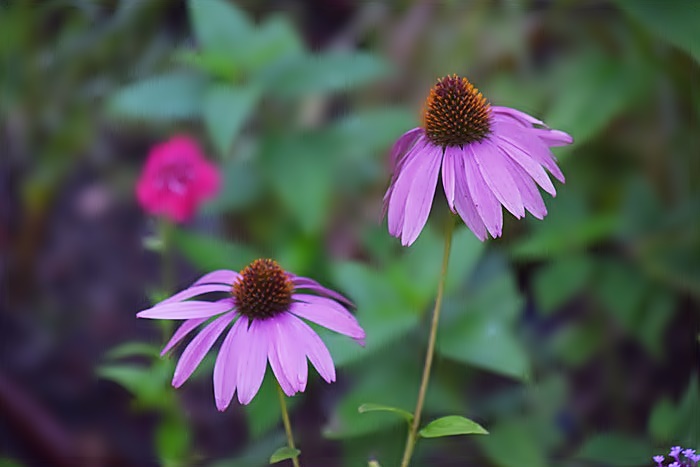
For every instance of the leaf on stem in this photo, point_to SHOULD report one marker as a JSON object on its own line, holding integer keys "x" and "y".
{"x": 450, "y": 426}
{"x": 370, "y": 407}
{"x": 283, "y": 454}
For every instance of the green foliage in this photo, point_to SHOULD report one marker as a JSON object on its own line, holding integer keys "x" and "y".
{"x": 284, "y": 453}
{"x": 369, "y": 407}
{"x": 450, "y": 426}
{"x": 209, "y": 254}
{"x": 225, "y": 111}
{"x": 616, "y": 449}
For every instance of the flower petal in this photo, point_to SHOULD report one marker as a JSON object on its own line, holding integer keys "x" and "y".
{"x": 329, "y": 315}
{"x": 487, "y": 205}
{"x": 400, "y": 188}
{"x": 448, "y": 174}
{"x": 225, "y": 368}
{"x": 315, "y": 349}
{"x": 529, "y": 144}
{"x": 194, "y": 291}
{"x": 491, "y": 164}
{"x": 310, "y": 284}
{"x": 464, "y": 202}
{"x": 517, "y": 115}
{"x": 187, "y": 310}
{"x": 528, "y": 190}
{"x": 527, "y": 163}
{"x": 198, "y": 348}
{"x": 403, "y": 145}
{"x": 221, "y": 276}
{"x": 252, "y": 361}
{"x": 287, "y": 352}
{"x": 420, "y": 196}
{"x": 184, "y": 329}
{"x": 553, "y": 137}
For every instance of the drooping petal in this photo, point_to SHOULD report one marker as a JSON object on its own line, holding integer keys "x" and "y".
{"x": 487, "y": 205}
{"x": 528, "y": 190}
{"x": 553, "y": 137}
{"x": 288, "y": 355}
{"x": 310, "y": 284}
{"x": 520, "y": 117}
{"x": 184, "y": 329}
{"x": 526, "y": 162}
{"x": 252, "y": 361}
{"x": 496, "y": 175}
{"x": 315, "y": 349}
{"x": 531, "y": 145}
{"x": 400, "y": 189}
{"x": 448, "y": 174}
{"x": 225, "y": 368}
{"x": 194, "y": 291}
{"x": 403, "y": 145}
{"x": 222, "y": 276}
{"x": 420, "y": 196}
{"x": 329, "y": 317}
{"x": 187, "y": 310}
{"x": 198, "y": 348}
{"x": 278, "y": 369}
{"x": 464, "y": 203}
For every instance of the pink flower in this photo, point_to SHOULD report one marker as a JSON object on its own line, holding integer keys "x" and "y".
{"x": 267, "y": 309}
{"x": 176, "y": 179}
{"x": 488, "y": 156}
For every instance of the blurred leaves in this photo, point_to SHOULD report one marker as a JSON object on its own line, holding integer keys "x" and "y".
{"x": 225, "y": 111}
{"x": 209, "y": 254}
{"x": 616, "y": 449}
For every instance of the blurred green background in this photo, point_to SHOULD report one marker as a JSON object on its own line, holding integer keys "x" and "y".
{"x": 573, "y": 340}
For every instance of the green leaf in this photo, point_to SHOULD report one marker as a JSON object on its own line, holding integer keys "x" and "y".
{"x": 470, "y": 328}
{"x": 512, "y": 443}
{"x": 284, "y": 453}
{"x": 577, "y": 343}
{"x": 148, "y": 384}
{"x": 209, "y": 253}
{"x": 369, "y": 407}
{"x": 558, "y": 282}
{"x": 132, "y": 349}
{"x": 325, "y": 72}
{"x": 451, "y": 425}
{"x": 616, "y": 449}
{"x": 226, "y": 109}
{"x": 675, "y": 21}
{"x": 4, "y": 462}
{"x": 174, "y": 96}
{"x": 173, "y": 440}
{"x": 219, "y": 25}
{"x": 663, "y": 421}
{"x": 241, "y": 185}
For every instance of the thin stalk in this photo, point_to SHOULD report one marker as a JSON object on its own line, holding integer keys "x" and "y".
{"x": 413, "y": 431}
{"x": 287, "y": 425}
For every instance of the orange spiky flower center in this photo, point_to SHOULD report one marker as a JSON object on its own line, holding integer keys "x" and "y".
{"x": 456, "y": 113}
{"x": 263, "y": 290}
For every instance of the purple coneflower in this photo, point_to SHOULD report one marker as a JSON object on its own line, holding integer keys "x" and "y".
{"x": 265, "y": 306}
{"x": 490, "y": 156}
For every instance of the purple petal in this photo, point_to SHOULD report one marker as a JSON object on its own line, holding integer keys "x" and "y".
{"x": 288, "y": 353}
{"x": 528, "y": 190}
{"x": 528, "y": 164}
{"x": 329, "y": 317}
{"x": 400, "y": 188}
{"x": 403, "y": 145}
{"x": 448, "y": 174}
{"x": 222, "y": 276}
{"x": 530, "y": 145}
{"x": 198, "y": 348}
{"x": 517, "y": 115}
{"x": 225, "y": 368}
{"x": 553, "y": 137}
{"x": 252, "y": 361}
{"x": 492, "y": 166}
{"x": 420, "y": 196}
{"x": 195, "y": 290}
{"x": 487, "y": 205}
{"x": 315, "y": 348}
{"x": 464, "y": 202}
{"x": 187, "y": 310}
{"x": 184, "y": 329}
{"x": 310, "y": 284}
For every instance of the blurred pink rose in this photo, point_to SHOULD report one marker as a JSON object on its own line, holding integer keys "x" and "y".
{"x": 176, "y": 179}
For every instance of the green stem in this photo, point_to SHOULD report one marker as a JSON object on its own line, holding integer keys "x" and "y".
{"x": 413, "y": 431}
{"x": 287, "y": 425}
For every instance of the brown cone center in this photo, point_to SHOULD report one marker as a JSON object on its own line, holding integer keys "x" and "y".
{"x": 456, "y": 113}
{"x": 263, "y": 290}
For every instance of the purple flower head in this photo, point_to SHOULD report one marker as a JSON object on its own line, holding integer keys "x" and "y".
{"x": 689, "y": 453}
{"x": 674, "y": 464}
{"x": 675, "y": 451}
{"x": 658, "y": 460}
{"x": 488, "y": 157}
{"x": 266, "y": 309}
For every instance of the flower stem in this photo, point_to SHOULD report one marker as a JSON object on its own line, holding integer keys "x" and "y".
{"x": 413, "y": 431}
{"x": 287, "y": 425}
